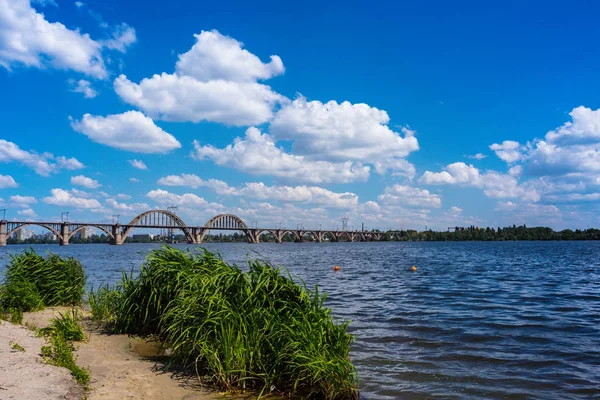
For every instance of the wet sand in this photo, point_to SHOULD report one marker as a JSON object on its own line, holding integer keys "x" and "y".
{"x": 117, "y": 371}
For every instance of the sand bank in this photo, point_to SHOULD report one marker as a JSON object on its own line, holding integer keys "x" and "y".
{"x": 116, "y": 371}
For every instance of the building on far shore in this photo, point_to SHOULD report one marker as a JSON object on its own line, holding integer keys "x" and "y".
{"x": 142, "y": 236}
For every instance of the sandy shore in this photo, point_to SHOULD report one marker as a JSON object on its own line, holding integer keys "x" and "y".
{"x": 23, "y": 374}
{"x": 116, "y": 371}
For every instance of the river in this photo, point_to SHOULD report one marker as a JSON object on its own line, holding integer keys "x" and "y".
{"x": 477, "y": 320}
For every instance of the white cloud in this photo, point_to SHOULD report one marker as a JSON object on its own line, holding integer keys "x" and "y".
{"x": 79, "y": 4}
{"x": 84, "y": 181}
{"x": 123, "y": 207}
{"x": 509, "y": 151}
{"x": 27, "y": 38}
{"x": 124, "y": 196}
{"x": 41, "y": 163}
{"x": 165, "y": 198}
{"x": 455, "y": 210}
{"x": 340, "y": 131}
{"x": 258, "y": 155}
{"x": 478, "y": 156}
{"x": 397, "y": 166}
{"x": 83, "y": 86}
{"x": 172, "y": 97}
{"x": 194, "y": 182}
{"x": 28, "y": 212}
{"x": 134, "y": 180}
{"x": 218, "y": 57}
{"x": 122, "y": 37}
{"x": 303, "y": 194}
{"x": 401, "y": 195}
{"x": 216, "y": 81}
{"x": 260, "y": 191}
{"x": 131, "y": 131}
{"x": 493, "y": 184}
{"x": 139, "y": 164}
{"x": 22, "y": 201}
{"x": 7, "y": 181}
{"x": 63, "y": 198}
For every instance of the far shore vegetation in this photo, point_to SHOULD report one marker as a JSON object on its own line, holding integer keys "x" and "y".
{"x": 471, "y": 233}
{"x": 255, "y": 331}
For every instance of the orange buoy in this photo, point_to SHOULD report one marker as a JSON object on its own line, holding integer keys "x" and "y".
{"x": 336, "y": 268}
{"x": 414, "y": 268}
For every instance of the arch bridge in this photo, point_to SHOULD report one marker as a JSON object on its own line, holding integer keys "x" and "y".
{"x": 163, "y": 219}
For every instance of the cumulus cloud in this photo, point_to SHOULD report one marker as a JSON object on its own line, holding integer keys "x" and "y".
{"x": 7, "y": 181}
{"x": 123, "y": 36}
{"x": 218, "y": 57}
{"x": 28, "y": 212}
{"x": 409, "y": 196}
{"x": 124, "y": 196}
{"x": 260, "y": 191}
{"x": 27, "y": 38}
{"x": 84, "y": 181}
{"x": 43, "y": 164}
{"x": 139, "y": 164}
{"x": 343, "y": 131}
{"x": 131, "y": 131}
{"x": 22, "y": 201}
{"x": 509, "y": 151}
{"x": 180, "y": 98}
{"x": 83, "y": 86}
{"x": 61, "y": 197}
{"x": 257, "y": 154}
{"x": 493, "y": 184}
{"x": 128, "y": 208}
{"x": 165, "y": 198}
{"x": 134, "y": 180}
{"x": 216, "y": 81}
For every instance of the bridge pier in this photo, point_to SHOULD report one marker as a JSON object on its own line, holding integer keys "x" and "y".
{"x": 64, "y": 234}
{"x": 117, "y": 238}
{"x": 253, "y": 236}
{"x": 3, "y": 233}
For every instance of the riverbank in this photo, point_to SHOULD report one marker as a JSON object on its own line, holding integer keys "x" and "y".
{"x": 116, "y": 367}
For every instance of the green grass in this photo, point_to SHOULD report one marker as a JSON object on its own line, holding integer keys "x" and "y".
{"x": 59, "y": 352}
{"x": 32, "y": 282}
{"x": 16, "y": 346}
{"x": 66, "y": 325}
{"x": 16, "y": 315}
{"x": 253, "y": 331}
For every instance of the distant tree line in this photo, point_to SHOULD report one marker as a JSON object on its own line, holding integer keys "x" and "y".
{"x": 473, "y": 233}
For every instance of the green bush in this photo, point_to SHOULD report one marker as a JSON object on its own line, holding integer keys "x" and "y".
{"x": 59, "y": 352}
{"x": 32, "y": 282}
{"x": 256, "y": 330}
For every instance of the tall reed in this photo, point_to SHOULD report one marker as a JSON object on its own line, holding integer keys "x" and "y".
{"x": 246, "y": 331}
{"x": 32, "y": 281}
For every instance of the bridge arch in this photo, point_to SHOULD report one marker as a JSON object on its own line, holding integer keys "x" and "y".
{"x": 346, "y": 234}
{"x": 226, "y": 221}
{"x": 103, "y": 229}
{"x": 47, "y": 226}
{"x": 332, "y": 237}
{"x": 153, "y": 218}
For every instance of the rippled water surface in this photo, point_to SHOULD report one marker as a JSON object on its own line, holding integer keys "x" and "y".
{"x": 503, "y": 320}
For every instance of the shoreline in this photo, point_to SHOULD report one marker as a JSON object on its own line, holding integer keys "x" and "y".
{"x": 116, "y": 370}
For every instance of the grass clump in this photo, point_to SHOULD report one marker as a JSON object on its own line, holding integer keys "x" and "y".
{"x": 244, "y": 331}
{"x": 16, "y": 316}
{"x": 65, "y": 325}
{"x": 102, "y": 302}
{"x": 16, "y": 346}
{"x": 32, "y": 282}
{"x": 63, "y": 330}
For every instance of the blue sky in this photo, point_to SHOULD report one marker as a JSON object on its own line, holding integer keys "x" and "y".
{"x": 394, "y": 115}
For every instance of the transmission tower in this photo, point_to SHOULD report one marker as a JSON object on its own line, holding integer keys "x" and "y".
{"x": 345, "y": 223}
